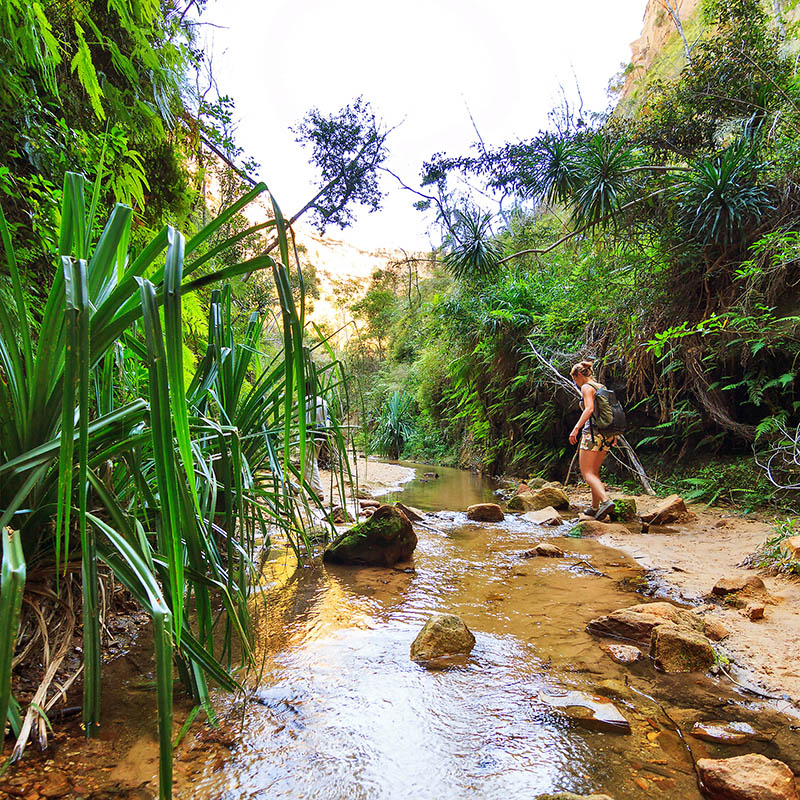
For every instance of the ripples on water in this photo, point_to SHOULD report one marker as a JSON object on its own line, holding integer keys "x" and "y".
{"x": 341, "y": 713}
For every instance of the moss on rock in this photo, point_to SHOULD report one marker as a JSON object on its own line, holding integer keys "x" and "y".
{"x": 384, "y": 539}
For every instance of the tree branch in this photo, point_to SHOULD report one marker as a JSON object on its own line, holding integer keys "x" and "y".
{"x": 573, "y": 234}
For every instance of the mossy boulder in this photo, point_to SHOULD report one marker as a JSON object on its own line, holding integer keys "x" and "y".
{"x": 384, "y": 539}
{"x": 624, "y": 509}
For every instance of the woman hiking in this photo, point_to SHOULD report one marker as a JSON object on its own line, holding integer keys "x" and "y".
{"x": 595, "y": 443}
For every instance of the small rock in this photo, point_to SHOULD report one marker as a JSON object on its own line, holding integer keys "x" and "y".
{"x": 539, "y": 499}
{"x": 430, "y": 475}
{"x": 749, "y": 777}
{"x": 442, "y": 635}
{"x": 544, "y": 549}
{"x": 571, "y": 796}
{"x": 55, "y": 784}
{"x": 485, "y": 512}
{"x": 536, "y": 483}
{"x": 671, "y": 509}
{"x": 545, "y": 516}
{"x": 754, "y": 611}
{"x": 714, "y": 629}
{"x": 624, "y": 509}
{"x": 737, "y": 584}
{"x": 592, "y": 527}
{"x": 524, "y": 488}
{"x": 623, "y": 653}
{"x": 521, "y": 502}
{"x": 369, "y": 503}
{"x": 411, "y": 514}
{"x": 551, "y": 494}
{"x": 610, "y": 687}
{"x": 676, "y": 648}
{"x": 339, "y": 515}
{"x": 636, "y": 623}
{"x": 722, "y": 732}
{"x": 791, "y": 547}
{"x": 589, "y": 710}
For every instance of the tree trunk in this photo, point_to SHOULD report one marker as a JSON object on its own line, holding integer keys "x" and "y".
{"x": 672, "y": 8}
{"x": 777, "y": 6}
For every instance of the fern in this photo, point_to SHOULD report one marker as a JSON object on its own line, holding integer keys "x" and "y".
{"x": 83, "y": 65}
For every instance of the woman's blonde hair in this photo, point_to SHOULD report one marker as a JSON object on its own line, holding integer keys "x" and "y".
{"x": 584, "y": 367}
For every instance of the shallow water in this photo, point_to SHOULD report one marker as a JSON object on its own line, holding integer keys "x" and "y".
{"x": 339, "y": 710}
{"x": 454, "y": 489}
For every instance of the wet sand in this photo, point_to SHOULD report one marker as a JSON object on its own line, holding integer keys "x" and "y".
{"x": 690, "y": 557}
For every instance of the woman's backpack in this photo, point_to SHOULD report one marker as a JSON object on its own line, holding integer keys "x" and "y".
{"x": 608, "y": 413}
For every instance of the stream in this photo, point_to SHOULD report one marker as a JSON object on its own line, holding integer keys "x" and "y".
{"x": 339, "y": 711}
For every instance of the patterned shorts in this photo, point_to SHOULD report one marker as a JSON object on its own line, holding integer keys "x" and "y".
{"x": 599, "y": 441}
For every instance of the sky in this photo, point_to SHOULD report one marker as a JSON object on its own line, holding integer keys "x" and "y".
{"x": 424, "y": 65}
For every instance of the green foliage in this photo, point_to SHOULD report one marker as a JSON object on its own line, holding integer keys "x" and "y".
{"x": 474, "y": 253}
{"x": 719, "y": 200}
{"x": 347, "y": 148}
{"x": 395, "y": 426}
{"x": 91, "y": 471}
{"x": 733, "y": 482}
{"x": 772, "y": 556}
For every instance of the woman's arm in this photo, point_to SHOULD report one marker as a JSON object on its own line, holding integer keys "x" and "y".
{"x": 588, "y": 408}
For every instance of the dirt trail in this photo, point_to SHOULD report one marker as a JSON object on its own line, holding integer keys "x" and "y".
{"x": 690, "y": 557}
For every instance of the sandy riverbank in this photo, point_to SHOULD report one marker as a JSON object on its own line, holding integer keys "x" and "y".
{"x": 690, "y": 557}
{"x": 373, "y": 477}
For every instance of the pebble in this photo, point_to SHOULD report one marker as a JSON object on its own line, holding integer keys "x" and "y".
{"x": 623, "y": 653}
{"x": 722, "y": 732}
{"x": 754, "y": 611}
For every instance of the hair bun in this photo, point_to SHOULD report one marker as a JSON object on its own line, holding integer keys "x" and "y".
{"x": 584, "y": 367}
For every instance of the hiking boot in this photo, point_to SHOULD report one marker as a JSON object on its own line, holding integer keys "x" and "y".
{"x": 589, "y": 511}
{"x": 604, "y": 509}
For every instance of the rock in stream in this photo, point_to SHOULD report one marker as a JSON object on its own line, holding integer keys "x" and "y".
{"x": 384, "y": 539}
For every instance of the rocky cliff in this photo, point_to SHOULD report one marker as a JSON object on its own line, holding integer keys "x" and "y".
{"x": 659, "y": 52}
{"x": 659, "y": 33}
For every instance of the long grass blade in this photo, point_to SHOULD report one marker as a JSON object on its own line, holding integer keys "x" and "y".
{"x": 12, "y": 587}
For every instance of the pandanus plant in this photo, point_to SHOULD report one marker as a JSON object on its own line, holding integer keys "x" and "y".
{"x": 94, "y": 479}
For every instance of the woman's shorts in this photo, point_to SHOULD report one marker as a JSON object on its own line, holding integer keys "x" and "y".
{"x": 598, "y": 441}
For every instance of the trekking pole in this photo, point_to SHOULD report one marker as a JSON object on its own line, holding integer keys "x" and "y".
{"x": 572, "y": 464}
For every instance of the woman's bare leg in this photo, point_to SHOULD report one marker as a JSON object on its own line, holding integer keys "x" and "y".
{"x": 590, "y": 461}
